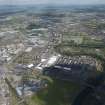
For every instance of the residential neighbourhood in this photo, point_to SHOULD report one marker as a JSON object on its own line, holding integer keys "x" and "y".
{"x": 49, "y": 50}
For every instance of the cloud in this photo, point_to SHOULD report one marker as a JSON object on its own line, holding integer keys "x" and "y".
{"x": 52, "y": 1}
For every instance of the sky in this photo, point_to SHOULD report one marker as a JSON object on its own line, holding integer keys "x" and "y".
{"x": 52, "y": 2}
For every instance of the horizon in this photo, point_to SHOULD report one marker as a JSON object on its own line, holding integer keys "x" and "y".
{"x": 52, "y": 5}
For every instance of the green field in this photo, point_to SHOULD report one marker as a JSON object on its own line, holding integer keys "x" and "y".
{"x": 57, "y": 93}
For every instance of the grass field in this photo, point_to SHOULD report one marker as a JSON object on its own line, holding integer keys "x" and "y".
{"x": 57, "y": 93}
